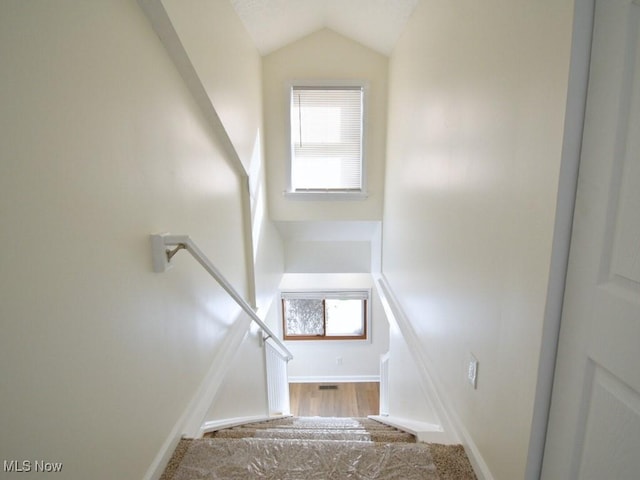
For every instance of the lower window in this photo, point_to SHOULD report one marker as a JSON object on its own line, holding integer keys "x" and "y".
{"x": 325, "y": 315}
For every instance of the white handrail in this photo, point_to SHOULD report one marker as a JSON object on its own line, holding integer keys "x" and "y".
{"x": 161, "y": 262}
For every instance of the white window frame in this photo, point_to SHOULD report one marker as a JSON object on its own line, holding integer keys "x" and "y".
{"x": 364, "y": 293}
{"x": 328, "y": 194}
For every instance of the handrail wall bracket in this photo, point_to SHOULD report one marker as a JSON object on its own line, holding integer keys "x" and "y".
{"x": 162, "y": 253}
{"x": 171, "y": 253}
{"x": 264, "y": 336}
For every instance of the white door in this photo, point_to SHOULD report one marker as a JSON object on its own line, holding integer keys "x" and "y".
{"x": 594, "y": 427}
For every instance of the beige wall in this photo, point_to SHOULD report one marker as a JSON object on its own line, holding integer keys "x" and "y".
{"x": 101, "y": 145}
{"x": 228, "y": 65}
{"x": 239, "y": 394}
{"x": 229, "y": 68}
{"x": 324, "y": 55}
{"x": 477, "y": 97}
{"x": 327, "y": 256}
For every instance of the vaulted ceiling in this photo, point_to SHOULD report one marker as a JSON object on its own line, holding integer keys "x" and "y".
{"x": 273, "y": 24}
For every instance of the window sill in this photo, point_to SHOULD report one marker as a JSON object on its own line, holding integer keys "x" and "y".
{"x": 342, "y": 342}
{"x": 327, "y": 195}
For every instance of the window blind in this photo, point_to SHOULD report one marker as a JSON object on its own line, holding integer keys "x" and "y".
{"x": 326, "y": 138}
{"x": 324, "y": 294}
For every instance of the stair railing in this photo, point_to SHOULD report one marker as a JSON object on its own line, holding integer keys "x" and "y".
{"x": 277, "y": 381}
{"x": 384, "y": 384}
{"x": 164, "y": 246}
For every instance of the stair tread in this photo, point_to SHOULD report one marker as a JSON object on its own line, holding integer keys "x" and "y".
{"x": 252, "y": 453}
{"x": 317, "y": 428}
{"x": 294, "y": 428}
{"x": 375, "y": 436}
{"x": 289, "y": 459}
{"x": 320, "y": 422}
{"x": 290, "y": 433}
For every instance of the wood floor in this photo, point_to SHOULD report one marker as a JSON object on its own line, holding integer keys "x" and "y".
{"x": 335, "y": 399}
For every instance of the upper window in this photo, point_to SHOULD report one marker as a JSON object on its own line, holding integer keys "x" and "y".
{"x": 326, "y": 139}
{"x": 325, "y": 315}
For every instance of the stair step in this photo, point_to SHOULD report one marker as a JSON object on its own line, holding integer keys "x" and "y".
{"x": 232, "y": 459}
{"x": 317, "y": 434}
{"x": 323, "y": 449}
{"x": 288, "y": 433}
{"x": 323, "y": 423}
{"x": 318, "y": 428}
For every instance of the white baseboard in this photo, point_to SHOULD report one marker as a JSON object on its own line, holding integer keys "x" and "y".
{"x": 452, "y": 426}
{"x": 236, "y": 422}
{"x": 471, "y": 449}
{"x": 159, "y": 464}
{"x": 335, "y": 379}
{"x": 424, "y": 432}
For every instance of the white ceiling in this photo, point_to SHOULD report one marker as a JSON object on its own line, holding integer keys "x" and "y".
{"x": 275, "y": 23}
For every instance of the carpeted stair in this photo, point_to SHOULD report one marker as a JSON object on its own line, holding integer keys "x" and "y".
{"x": 322, "y": 448}
{"x": 319, "y": 428}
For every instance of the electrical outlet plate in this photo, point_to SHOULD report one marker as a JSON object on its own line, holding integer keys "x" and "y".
{"x": 472, "y": 371}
